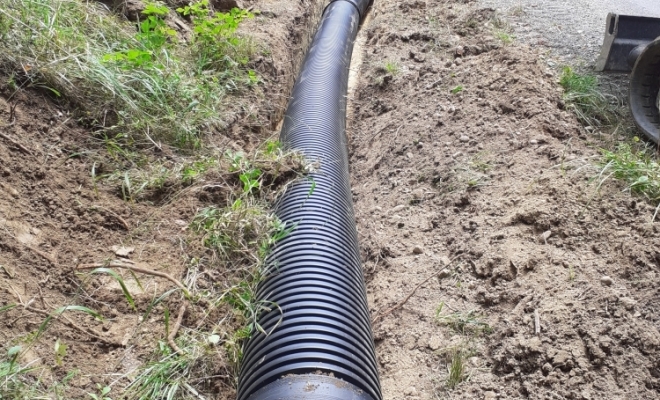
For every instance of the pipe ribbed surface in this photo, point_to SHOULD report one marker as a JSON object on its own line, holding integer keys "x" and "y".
{"x": 321, "y": 345}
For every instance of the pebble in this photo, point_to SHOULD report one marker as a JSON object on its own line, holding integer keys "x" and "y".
{"x": 411, "y": 391}
{"x": 546, "y": 235}
{"x": 436, "y": 342}
{"x": 444, "y": 273}
{"x": 417, "y": 250}
{"x": 121, "y": 251}
{"x": 464, "y": 139}
{"x": 533, "y": 141}
{"x": 490, "y": 395}
{"x": 606, "y": 281}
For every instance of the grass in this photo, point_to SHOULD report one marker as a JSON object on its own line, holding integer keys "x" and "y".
{"x": 470, "y": 326}
{"x": 501, "y": 29}
{"x": 504, "y": 37}
{"x": 456, "y": 360}
{"x": 392, "y": 68}
{"x": 463, "y": 322}
{"x": 591, "y": 105}
{"x": 139, "y": 84}
{"x": 637, "y": 167}
{"x": 15, "y": 380}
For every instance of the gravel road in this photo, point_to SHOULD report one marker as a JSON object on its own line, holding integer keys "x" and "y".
{"x": 573, "y": 28}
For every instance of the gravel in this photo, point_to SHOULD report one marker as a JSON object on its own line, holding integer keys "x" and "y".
{"x": 574, "y": 29}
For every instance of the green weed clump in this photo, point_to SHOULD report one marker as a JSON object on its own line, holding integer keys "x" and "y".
{"x": 637, "y": 168}
{"x": 15, "y": 380}
{"x": 137, "y": 81}
{"x": 591, "y": 105}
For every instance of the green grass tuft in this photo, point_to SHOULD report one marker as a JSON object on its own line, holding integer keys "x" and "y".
{"x": 138, "y": 82}
{"x": 592, "y": 107}
{"x": 637, "y": 168}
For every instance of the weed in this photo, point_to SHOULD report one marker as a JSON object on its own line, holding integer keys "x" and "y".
{"x": 60, "y": 352}
{"x": 456, "y": 367}
{"x": 591, "y": 106}
{"x": 463, "y": 322}
{"x": 637, "y": 168}
{"x": 169, "y": 374}
{"x": 504, "y": 37}
{"x": 392, "y": 68}
{"x": 214, "y": 42}
{"x": 457, "y": 89}
{"x": 15, "y": 381}
{"x": 127, "y": 82}
{"x": 103, "y": 392}
{"x": 571, "y": 273}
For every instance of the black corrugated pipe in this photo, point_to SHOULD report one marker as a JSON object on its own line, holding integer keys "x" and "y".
{"x": 323, "y": 347}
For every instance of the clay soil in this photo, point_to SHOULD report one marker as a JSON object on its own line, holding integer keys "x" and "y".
{"x": 59, "y": 213}
{"x": 468, "y": 168}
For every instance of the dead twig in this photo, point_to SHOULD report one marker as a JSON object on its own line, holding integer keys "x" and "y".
{"x": 64, "y": 319}
{"x": 135, "y": 268}
{"x": 48, "y": 257}
{"x": 115, "y": 215}
{"x": 401, "y": 303}
{"x": 15, "y": 143}
{"x": 537, "y": 322}
{"x": 175, "y": 330}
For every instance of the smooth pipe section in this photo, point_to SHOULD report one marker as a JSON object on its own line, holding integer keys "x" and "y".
{"x": 320, "y": 343}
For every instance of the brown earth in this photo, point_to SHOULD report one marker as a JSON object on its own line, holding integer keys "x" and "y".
{"x": 467, "y": 167}
{"x": 486, "y": 189}
{"x": 56, "y": 216}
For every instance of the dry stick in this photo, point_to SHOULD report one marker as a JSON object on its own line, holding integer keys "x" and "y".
{"x": 119, "y": 264}
{"x": 114, "y": 214}
{"x": 537, "y": 323}
{"x": 46, "y": 256}
{"x": 401, "y": 303}
{"x": 66, "y": 321}
{"x": 15, "y": 143}
{"x": 175, "y": 330}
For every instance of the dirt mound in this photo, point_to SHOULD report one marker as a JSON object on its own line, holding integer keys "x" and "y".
{"x": 466, "y": 166}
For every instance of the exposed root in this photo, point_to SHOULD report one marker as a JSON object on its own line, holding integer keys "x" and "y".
{"x": 402, "y": 302}
{"x": 175, "y": 330}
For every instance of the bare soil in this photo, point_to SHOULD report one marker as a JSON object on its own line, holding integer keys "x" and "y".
{"x": 466, "y": 166}
{"x": 55, "y": 217}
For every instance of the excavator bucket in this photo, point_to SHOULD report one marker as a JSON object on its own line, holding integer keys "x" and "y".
{"x": 632, "y": 44}
{"x": 625, "y": 38}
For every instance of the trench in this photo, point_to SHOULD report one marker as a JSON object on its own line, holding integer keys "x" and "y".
{"x": 317, "y": 342}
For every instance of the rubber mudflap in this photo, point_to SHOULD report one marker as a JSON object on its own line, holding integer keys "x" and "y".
{"x": 320, "y": 344}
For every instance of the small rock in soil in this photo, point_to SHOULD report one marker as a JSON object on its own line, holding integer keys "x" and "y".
{"x": 606, "y": 281}
{"x": 464, "y": 139}
{"x": 444, "y": 273}
{"x": 121, "y": 251}
{"x": 435, "y": 342}
{"x": 411, "y": 391}
{"x": 490, "y": 395}
{"x": 417, "y": 250}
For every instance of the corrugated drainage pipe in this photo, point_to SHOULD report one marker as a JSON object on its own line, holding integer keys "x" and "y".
{"x": 323, "y": 346}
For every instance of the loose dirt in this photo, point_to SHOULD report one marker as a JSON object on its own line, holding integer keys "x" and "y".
{"x": 465, "y": 166}
{"x": 464, "y": 159}
{"x": 59, "y": 212}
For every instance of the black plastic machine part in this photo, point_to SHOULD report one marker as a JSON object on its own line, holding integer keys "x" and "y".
{"x": 625, "y": 38}
{"x": 632, "y": 44}
{"x": 320, "y": 344}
